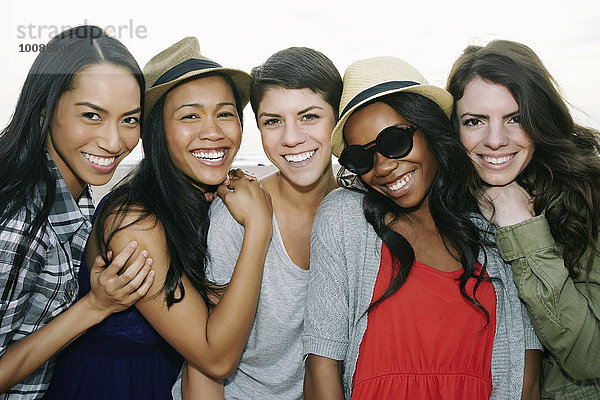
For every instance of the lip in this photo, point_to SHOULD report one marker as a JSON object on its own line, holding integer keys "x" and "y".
{"x": 303, "y": 162}
{"x": 410, "y": 180}
{"x": 203, "y": 155}
{"x": 103, "y": 169}
{"x": 497, "y": 166}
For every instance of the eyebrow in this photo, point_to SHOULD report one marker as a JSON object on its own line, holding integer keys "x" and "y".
{"x": 91, "y": 105}
{"x": 265, "y": 114}
{"x": 474, "y": 115}
{"x": 100, "y": 109}
{"x": 137, "y": 110}
{"x": 200, "y": 105}
{"x": 308, "y": 109}
{"x": 510, "y": 114}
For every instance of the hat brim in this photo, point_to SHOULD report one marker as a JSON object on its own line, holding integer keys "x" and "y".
{"x": 441, "y": 97}
{"x": 241, "y": 79}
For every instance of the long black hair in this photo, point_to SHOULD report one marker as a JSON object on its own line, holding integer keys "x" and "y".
{"x": 24, "y": 173}
{"x": 449, "y": 199}
{"x": 564, "y": 173}
{"x": 158, "y": 189}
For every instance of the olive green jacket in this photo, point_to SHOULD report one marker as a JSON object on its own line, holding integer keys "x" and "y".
{"x": 564, "y": 313}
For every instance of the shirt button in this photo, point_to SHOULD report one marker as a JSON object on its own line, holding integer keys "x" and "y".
{"x": 70, "y": 288}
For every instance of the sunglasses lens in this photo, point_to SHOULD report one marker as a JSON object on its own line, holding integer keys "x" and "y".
{"x": 395, "y": 141}
{"x": 356, "y": 159}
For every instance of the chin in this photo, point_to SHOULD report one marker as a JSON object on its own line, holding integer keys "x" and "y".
{"x": 212, "y": 180}
{"x": 99, "y": 180}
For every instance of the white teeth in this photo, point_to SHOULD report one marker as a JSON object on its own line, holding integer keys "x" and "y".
{"x": 400, "y": 183}
{"x": 210, "y": 155}
{"x": 497, "y": 160}
{"x": 103, "y": 161}
{"x": 294, "y": 158}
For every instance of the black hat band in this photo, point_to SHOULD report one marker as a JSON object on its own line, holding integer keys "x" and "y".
{"x": 183, "y": 68}
{"x": 370, "y": 92}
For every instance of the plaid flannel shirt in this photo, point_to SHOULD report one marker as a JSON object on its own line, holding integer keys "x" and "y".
{"x": 46, "y": 283}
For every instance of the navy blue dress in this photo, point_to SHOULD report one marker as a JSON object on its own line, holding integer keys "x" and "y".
{"x": 121, "y": 358}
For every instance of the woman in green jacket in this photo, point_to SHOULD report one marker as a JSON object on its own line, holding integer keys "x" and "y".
{"x": 540, "y": 175}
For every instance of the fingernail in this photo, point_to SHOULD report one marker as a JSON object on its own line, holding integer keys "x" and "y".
{"x": 145, "y": 253}
{"x": 133, "y": 244}
{"x": 109, "y": 254}
{"x": 149, "y": 261}
{"x": 227, "y": 181}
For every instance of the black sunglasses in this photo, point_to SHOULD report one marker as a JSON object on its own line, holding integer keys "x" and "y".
{"x": 391, "y": 142}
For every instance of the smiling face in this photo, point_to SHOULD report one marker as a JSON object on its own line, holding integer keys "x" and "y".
{"x": 95, "y": 125}
{"x": 202, "y": 129}
{"x": 490, "y": 131}
{"x": 405, "y": 180}
{"x": 295, "y": 126}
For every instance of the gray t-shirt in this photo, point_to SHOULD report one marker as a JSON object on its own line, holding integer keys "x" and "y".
{"x": 271, "y": 366}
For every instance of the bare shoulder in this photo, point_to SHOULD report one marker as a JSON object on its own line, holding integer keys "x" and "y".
{"x": 134, "y": 224}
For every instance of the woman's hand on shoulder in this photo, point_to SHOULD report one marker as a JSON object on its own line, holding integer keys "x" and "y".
{"x": 511, "y": 204}
{"x": 114, "y": 289}
{"x": 246, "y": 200}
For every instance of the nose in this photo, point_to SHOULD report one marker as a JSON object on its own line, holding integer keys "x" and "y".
{"x": 211, "y": 130}
{"x": 110, "y": 139}
{"x": 292, "y": 136}
{"x": 382, "y": 165}
{"x": 496, "y": 136}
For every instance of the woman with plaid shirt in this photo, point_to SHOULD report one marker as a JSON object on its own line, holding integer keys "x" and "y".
{"x": 77, "y": 117}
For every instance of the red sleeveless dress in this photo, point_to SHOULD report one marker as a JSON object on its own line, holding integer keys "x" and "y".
{"x": 426, "y": 341}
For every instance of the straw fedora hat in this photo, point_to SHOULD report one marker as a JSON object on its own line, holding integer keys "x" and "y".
{"x": 369, "y": 79}
{"x": 181, "y": 61}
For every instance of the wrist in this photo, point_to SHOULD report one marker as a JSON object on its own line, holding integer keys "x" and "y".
{"x": 260, "y": 227}
{"x": 513, "y": 219}
{"x": 95, "y": 311}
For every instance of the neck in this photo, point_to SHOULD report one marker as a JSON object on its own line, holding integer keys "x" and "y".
{"x": 418, "y": 217}
{"x": 307, "y": 198}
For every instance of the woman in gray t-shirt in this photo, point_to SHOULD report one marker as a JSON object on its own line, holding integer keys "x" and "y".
{"x": 295, "y": 96}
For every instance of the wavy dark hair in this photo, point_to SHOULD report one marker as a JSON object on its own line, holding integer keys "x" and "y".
{"x": 24, "y": 172}
{"x": 449, "y": 199}
{"x": 564, "y": 173}
{"x": 158, "y": 189}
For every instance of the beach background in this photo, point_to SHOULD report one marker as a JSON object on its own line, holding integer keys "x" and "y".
{"x": 124, "y": 169}
{"x": 429, "y": 34}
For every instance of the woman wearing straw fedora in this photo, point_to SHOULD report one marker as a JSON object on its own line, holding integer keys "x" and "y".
{"x": 539, "y": 174}
{"x": 192, "y": 131}
{"x": 295, "y": 96}
{"x": 77, "y": 117}
{"x": 403, "y": 301}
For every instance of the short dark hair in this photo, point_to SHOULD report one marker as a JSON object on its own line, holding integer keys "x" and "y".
{"x": 298, "y": 68}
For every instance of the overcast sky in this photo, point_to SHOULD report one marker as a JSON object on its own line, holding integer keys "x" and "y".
{"x": 428, "y": 34}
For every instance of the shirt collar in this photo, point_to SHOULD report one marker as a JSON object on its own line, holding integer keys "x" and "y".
{"x": 66, "y": 215}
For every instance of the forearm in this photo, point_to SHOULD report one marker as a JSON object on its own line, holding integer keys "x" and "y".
{"x": 195, "y": 385}
{"x": 531, "y": 375}
{"x": 323, "y": 379}
{"x": 26, "y": 355}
